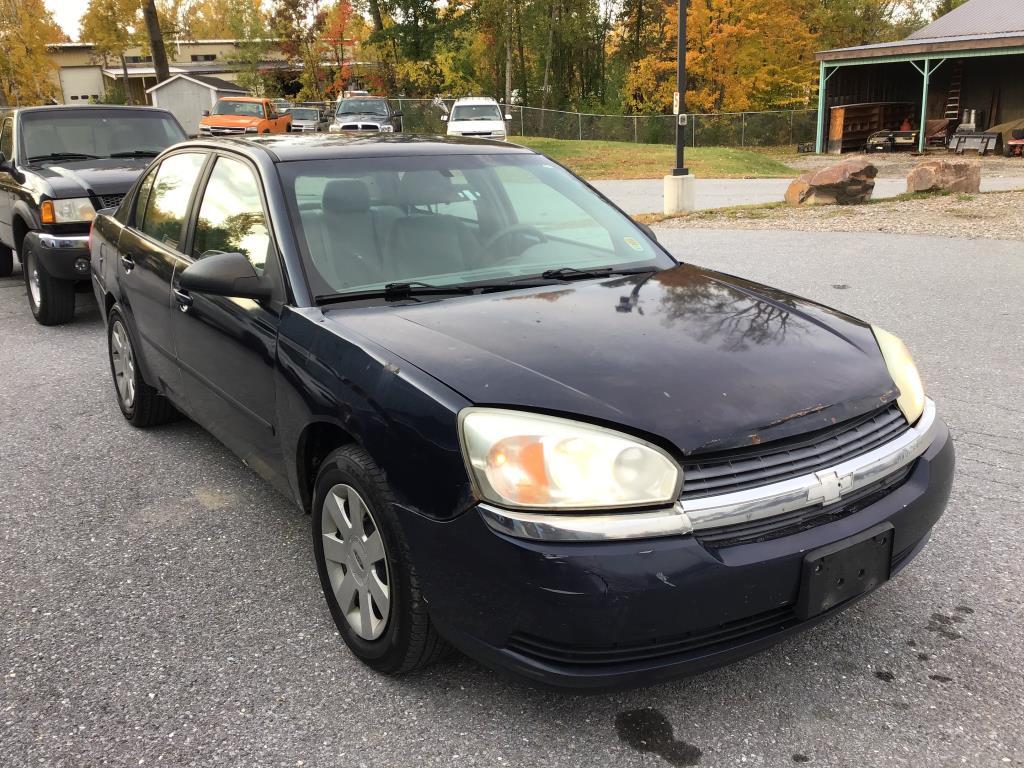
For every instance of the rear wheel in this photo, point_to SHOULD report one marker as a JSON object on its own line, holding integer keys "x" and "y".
{"x": 368, "y": 579}
{"x": 6, "y": 261}
{"x": 52, "y": 301}
{"x": 140, "y": 404}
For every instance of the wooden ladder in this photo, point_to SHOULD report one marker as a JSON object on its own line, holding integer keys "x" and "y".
{"x": 953, "y": 98}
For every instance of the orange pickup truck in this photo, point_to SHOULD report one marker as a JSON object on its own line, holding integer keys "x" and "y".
{"x": 240, "y": 114}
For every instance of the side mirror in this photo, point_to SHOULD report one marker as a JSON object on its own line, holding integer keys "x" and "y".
{"x": 444, "y": 118}
{"x": 206, "y": 113}
{"x": 646, "y": 230}
{"x": 3, "y": 161}
{"x": 225, "y": 274}
{"x": 508, "y": 116}
{"x": 397, "y": 114}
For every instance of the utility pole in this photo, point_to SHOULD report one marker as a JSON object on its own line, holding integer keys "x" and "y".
{"x": 679, "y": 185}
{"x": 680, "y": 169}
{"x": 508, "y": 59}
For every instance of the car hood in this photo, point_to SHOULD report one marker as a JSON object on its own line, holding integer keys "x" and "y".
{"x": 361, "y": 117}
{"x": 474, "y": 126}
{"x": 692, "y": 358}
{"x": 106, "y": 176}
{"x": 230, "y": 121}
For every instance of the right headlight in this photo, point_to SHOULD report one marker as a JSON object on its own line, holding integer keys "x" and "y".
{"x": 904, "y": 373}
{"x": 534, "y": 461}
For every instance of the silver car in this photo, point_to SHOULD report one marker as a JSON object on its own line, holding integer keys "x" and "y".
{"x": 308, "y": 119}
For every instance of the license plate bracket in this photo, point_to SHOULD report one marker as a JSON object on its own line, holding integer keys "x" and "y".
{"x": 835, "y": 573}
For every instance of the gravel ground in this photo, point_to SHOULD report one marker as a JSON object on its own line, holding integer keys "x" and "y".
{"x": 898, "y": 164}
{"x": 996, "y": 215}
{"x": 159, "y": 604}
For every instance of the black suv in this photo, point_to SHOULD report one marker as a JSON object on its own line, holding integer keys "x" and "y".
{"x": 58, "y": 166}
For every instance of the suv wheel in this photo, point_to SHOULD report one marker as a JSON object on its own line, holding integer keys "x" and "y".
{"x": 6, "y": 261}
{"x": 368, "y": 579}
{"x": 52, "y": 301}
{"x": 140, "y": 404}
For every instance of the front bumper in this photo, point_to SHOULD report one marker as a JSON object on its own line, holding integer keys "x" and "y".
{"x": 597, "y": 615}
{"x": 65, "y": 257}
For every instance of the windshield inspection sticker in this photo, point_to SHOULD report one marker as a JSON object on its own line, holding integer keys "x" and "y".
{"x": 633, "y": 243}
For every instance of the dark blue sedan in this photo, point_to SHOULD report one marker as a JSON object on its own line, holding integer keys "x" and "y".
{"x": 520, "y": 426}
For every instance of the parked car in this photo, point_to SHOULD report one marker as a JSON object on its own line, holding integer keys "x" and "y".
{"x": 477, "y": 116}
{"x": 309, "y": 119}
{"x": 520, "y": 425}
{"x": 243, "y": 114}
{"x": 58, "y": 166}
{"x": 366, "y": 113}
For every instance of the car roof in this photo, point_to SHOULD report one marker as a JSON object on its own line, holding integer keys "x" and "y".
{"x": 288, "y": 147}
{"x": 85, "y": 107}
{"x": 255, "y": 99}
{"x": 476, "y": 100}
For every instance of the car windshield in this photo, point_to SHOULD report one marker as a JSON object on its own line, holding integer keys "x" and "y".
{"x": 453, "y": 220}
{"x": 304, "y": 114}
{"x": 363, "y": 107}
{"x": 476, "y": 112}
{"x": 97, "y": 133}
{"x": 244, "y": 108}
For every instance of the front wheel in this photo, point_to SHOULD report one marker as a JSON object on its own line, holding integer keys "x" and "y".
{"x": 52, "y": 301}
{"x": 367, "y": 576}
{"x": 140, "y": 404}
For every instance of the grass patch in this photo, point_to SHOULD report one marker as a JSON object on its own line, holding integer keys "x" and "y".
{"x": 625, "y": 160}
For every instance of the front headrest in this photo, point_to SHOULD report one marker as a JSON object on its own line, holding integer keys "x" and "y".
{"x": 426, "y": 188}
{"x": 346, "y": 196}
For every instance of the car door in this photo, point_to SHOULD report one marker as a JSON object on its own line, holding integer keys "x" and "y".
{"x": 227, "y": 347}
{"x": 149, "y": 250}
{"x": 7, "y": 182}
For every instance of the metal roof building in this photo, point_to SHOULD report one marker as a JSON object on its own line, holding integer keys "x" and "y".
{"x": 971, "y": 58}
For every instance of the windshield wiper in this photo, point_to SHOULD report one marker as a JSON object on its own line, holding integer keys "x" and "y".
{"x": 572, "y": 273}
{"x": 136, "y": 153}
{"x": 398, "y": 291}
{"x": 63, "y": 156}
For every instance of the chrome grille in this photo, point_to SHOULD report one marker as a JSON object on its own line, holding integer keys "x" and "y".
{"x": 360, "y": 127}
{"x": 222, "y": 131}
{"x": 750, "y": 468}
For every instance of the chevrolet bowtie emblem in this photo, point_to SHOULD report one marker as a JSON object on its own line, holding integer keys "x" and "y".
{"x": 830, "y": 487}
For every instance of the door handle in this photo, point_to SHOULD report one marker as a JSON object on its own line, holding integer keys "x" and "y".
{"x": 184, "y": 299}
{"x": 127, "y": 262}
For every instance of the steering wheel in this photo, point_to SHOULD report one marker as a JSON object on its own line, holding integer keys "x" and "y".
{"x": 512, "y": 229}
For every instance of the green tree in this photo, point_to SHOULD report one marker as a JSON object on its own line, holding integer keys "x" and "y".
{"x": 113, "y": 26}
{"x": 942, "y": 7}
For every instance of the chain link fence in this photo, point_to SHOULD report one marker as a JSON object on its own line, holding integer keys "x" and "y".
{"x": 729, "y": 129}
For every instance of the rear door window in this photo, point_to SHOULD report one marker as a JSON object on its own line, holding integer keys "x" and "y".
{"x": 167, "y": 206}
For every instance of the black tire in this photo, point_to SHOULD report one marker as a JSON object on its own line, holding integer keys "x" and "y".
{"x": 409, "y": 641}
{"x": 147, "y": 408}
{"x": 56, "y": 298}
{"x": 6, "y": 261}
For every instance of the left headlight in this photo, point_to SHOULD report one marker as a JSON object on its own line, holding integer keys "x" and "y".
{"x": 69, "y": 211}
{"x": 904, "y": 373}
{"x": 387, "y": 129}
{"x": 534, "y": 461}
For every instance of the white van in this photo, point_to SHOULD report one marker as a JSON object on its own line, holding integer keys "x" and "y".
{"x": 477, "y": 116}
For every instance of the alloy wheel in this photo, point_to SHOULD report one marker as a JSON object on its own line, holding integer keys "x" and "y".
{"x": 122, "y": 358}
{"x": 356, "y": 562}
{"x": 32, "y": 270}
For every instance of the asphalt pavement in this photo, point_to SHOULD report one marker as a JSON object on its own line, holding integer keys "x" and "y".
{"x": 159, "y": 603}
{"x": 646, "y": 195}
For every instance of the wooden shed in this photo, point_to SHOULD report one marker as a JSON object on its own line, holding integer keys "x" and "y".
{"x": 187, "y": 96}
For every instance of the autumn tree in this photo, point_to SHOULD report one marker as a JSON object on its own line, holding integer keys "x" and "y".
{"x": 112, "y": 27}
{"x": 26, "y": 28}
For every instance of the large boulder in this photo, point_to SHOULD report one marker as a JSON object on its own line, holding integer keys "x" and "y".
{"x": 945, "y": 176}
{"x": 851, "y": 181}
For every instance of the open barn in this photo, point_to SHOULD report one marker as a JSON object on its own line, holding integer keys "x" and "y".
{"x": 960, "y": 79}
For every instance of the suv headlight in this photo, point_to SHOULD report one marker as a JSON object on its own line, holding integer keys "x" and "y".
{"x": 68, "y": 211}
{"x": 904, "y": 373}
{"x": 251, "y": 129}
{"x": 528, "y": 460}
{"x": 387, "y": 129}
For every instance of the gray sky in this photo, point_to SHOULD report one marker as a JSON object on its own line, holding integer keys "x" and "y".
{"x": 67, "y": 13}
